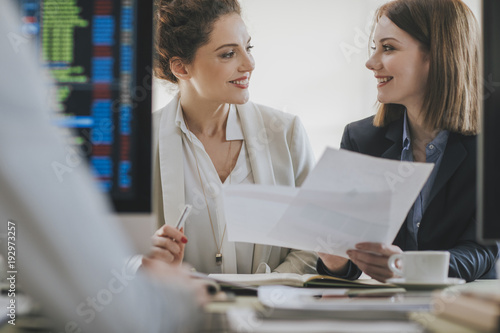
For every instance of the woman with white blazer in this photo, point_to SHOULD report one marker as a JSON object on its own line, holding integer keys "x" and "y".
{"x": 210, "y": 135}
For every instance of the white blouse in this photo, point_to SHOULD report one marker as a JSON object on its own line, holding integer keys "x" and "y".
{"x": 201, "y": 249}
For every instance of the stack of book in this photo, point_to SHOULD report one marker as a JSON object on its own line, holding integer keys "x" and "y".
{"x": 479, "y": 311}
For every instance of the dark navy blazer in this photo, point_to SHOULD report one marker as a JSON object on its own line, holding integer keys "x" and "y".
{"x": 449, "y": 221}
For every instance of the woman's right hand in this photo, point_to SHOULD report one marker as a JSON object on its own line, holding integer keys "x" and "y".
{"x": 168, "y": 245}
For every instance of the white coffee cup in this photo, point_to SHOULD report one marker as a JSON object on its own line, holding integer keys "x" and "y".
{"x": 421, "y": 266}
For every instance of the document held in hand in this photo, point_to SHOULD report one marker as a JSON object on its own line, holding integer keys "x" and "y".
{"x": 348, "y": 198}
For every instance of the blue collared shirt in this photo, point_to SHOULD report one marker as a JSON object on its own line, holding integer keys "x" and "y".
{"x": 433, "y": 154}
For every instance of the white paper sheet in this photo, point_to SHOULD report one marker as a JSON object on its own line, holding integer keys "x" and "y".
{"x": 348, "y": 198}
{"x": 290, "y": 298}
{"x": 250, "y": 320}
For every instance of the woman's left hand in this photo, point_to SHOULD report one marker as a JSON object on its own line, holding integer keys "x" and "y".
{"x": 372, "y": 259}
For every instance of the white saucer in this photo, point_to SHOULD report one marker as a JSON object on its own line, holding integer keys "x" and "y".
{"x": 416, "y": 285}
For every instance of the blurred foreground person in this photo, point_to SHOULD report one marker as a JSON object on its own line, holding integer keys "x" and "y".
{"x": 70, "y": 253}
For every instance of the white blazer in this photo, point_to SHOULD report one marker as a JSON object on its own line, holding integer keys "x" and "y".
{"x": 279, "y": 153}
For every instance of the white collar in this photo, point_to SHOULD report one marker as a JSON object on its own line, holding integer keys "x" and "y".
{"x": 233, "y": 127}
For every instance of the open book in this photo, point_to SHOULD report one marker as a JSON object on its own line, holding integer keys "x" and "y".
{"x": 297, "y": 280}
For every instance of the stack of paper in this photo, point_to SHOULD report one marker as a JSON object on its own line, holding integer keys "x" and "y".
{"x": 289, "y": 298}
{"x": 247, "y": 320}
{"x": 287, "y": 309}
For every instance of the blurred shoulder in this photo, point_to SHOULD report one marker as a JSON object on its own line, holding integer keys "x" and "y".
{"x": 364, "y": 137}
{"x": 362, "y": 125}
{"x": 364, "y": 130}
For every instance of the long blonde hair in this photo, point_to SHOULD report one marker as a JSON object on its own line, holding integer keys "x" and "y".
{"x": 449, "y": 32}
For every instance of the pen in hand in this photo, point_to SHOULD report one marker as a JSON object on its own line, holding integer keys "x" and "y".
{"x": 183, "y": 217}
{"x": 169, "y": 240}
{"x": 162, "y": 232}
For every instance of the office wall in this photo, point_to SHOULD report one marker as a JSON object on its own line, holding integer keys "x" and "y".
{"x": 310, "y": 61}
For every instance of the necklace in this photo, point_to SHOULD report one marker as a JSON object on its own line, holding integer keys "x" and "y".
{"x": 218, "y": 255}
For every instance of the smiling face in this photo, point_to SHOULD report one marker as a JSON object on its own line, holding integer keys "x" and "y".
{"x": 221, "y": 69}
{"x": 400, "y": 65}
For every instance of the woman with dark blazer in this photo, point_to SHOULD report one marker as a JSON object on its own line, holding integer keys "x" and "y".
{"x": 425, "y": 59}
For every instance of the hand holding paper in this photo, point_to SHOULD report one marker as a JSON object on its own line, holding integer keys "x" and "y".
{"x": 347, "y": 199}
